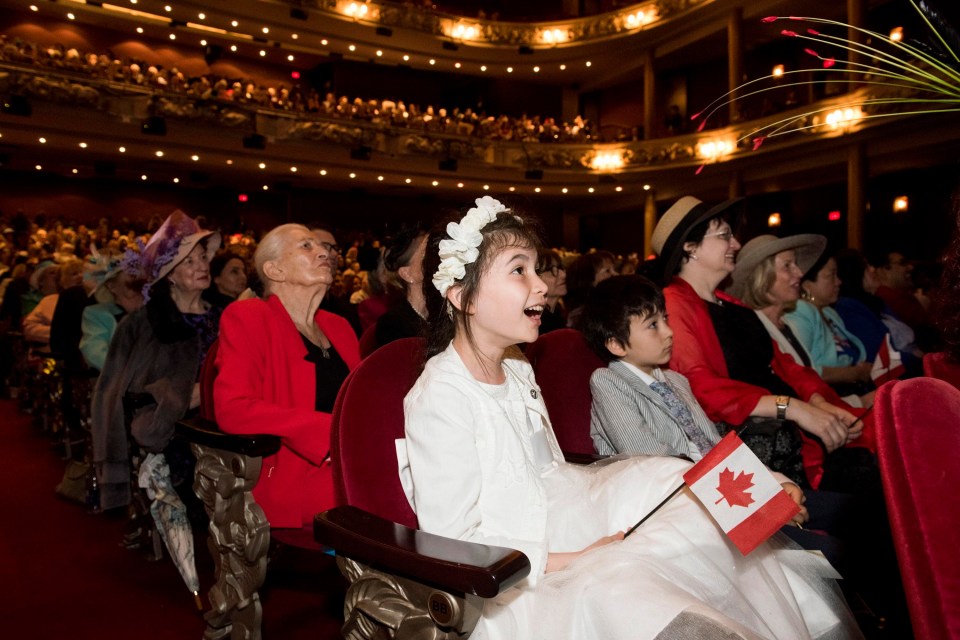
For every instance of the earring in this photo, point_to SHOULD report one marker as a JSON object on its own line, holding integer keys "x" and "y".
{"x": 449, "y": 308}
{"x": 693, "y": 256}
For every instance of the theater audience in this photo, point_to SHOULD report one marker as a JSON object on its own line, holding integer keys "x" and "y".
{"x": 280, "y": 365}
{"x": 154, "y": 358}
{"x": 228, "y": 272}
{"x": 117, "y": 293}
{"x": 403, "y": 260}
{"x": 835, "y": 353}
{"x": 583, "y": 274}
{"x": 552, "y": 271}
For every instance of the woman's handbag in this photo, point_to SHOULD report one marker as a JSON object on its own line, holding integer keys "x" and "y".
{"x": 778, "y": 445}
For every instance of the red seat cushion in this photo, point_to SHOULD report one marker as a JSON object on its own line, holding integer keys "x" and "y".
{"x": 937, "y": 365}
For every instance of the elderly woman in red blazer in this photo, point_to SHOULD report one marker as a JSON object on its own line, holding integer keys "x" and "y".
{"x": 281, "y": 362}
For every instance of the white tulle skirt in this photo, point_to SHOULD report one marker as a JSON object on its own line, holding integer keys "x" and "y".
{"x": 677, "y": 575}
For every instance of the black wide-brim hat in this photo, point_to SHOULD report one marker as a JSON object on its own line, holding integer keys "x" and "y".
{"x": 674, "y": 227}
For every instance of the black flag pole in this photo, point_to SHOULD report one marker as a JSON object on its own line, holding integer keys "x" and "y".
{"x": 655, "y": 509}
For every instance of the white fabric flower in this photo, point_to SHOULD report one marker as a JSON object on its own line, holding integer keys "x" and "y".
{"x": 461, "y": 248}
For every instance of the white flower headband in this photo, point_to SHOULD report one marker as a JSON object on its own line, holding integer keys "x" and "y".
{"x": 461, "y": 248}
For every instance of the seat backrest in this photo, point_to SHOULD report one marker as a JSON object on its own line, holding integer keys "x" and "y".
{"x": 208, "y": 372}
{"x": 563, "y": 363}
{"x": 367, "y": 421}
{"x": 917, "y": 445}
{"x": 938, "y": 365}
{"x": 368, "y": 340}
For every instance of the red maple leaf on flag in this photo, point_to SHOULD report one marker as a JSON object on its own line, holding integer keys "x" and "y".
{"x": 734, "y": 489}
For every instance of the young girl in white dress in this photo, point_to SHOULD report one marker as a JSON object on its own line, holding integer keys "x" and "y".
{"x": 480, "y": 463}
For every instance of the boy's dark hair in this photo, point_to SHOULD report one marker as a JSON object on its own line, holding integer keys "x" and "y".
{"x": 611, "y": 305}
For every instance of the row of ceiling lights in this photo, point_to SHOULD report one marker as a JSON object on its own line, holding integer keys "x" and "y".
{"x": 324, "y": 42}
{"x": 324, "y": 172}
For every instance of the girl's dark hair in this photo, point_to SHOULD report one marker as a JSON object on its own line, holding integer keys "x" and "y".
{"x": 507, "y": 230}
{"x": 610, "y": 307}
{"x": 581, "y": 273}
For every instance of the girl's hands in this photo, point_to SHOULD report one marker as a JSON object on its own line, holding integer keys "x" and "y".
{"x": 796, "y": 493}
{"x": 559, "y": 561}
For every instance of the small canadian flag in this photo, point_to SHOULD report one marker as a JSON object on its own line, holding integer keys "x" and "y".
{"x": 740, "y": 493}
{"x": 888, "y": 364}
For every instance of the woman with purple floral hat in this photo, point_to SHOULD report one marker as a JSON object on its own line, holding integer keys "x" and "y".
{"x": 155, "y": 355}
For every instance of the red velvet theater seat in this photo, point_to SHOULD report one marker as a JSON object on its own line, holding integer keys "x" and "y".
{"x": 918, "y": 436}
{"x": 563, "y": 364}
{"x": 937, "y": 365}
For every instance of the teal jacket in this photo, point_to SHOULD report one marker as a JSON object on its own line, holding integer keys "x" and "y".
{"x": 816, "y": 333}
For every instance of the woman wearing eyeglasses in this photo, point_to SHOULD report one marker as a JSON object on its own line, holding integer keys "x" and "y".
{"x": 552, "y": 271}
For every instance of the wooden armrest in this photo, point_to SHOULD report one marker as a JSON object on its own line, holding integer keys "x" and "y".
{"x": 449, "y": 564}
{"x": 206, "y": 433}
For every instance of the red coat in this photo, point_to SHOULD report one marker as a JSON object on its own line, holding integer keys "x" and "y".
{"x": 264, "y": 385}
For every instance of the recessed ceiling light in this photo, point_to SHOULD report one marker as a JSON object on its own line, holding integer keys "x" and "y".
{"x": 380, "y": 178}
{"x": 173, "y": 36}
{"x": 262, "y": 53}
{"x": 202, "y": 16}
{"x": 75, "y": 171}
{"x": 408, "y": 180}
{"x": 43, "y": 141}
{"x": 323, "y": 172}
{"x": 509, "y": 69}
{"x": 195, "y": 158}
{"x": 619, "y": 189}
{"x": 266, "y": 188}
{"x": 294, "y": 36}
{"x": 262, "y": 165}
{"x": 168, "y": 8}
{"x": 83, "y": 145}
{"x": 590, "y": 190}
{"x": 34, "y": 7}
{"x": 143, "y": 177}
{"x": 72, "y": 17}
{"x": 588, "y": 63}
{"x": 512, "y": 189}
{"x": 432, "y": 61}
{"x": 456, "y": 64}
{"x": 176, "y": 181}
{"x": 235, "y": 23}
{"x": 536, "y": 189}
{"x": 139, "y": 29}
{"x": 203, "y": 43}
{"x": 352, "y": 176}
{"x": 486, "y": 187}
{"x": 483, "y": 67}
{"x": 324, "y": 42}
{"x": 406, "y": 58}
{"x": 39, "y": 167}
{"x": 563, "y": 67}
{"x": 460, "y": 185}
{"x": 379, "y": 53}
{"x": 646, "y": 187}
{"x": 233, "y": 47}
{"x": 352, "y": 47}
{"x": 159, "y": 153}
{"x": 564, "y": 190}
{"x": 435, "y": 183}
{"x": 122, "y": 149}
{"x": 229, "y": 161}
{"x": 266, "y": 29}
{"x": 290, "y": 57}
{"x": 536, "y": 69}
{"x": 293, "y": 169}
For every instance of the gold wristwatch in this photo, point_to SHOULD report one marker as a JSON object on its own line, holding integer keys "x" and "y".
{"x": 782, "y": 403}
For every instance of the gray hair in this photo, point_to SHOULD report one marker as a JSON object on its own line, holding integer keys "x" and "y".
{"x": 270, "y": 248}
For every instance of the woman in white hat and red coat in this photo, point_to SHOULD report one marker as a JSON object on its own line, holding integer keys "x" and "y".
{"x": 155, "y": 355}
